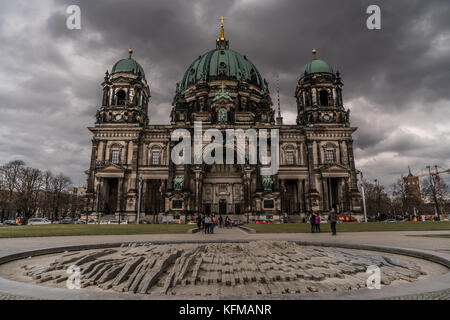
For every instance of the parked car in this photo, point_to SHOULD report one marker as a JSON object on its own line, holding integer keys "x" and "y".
{"x": 390, "y": 220}
{"x": 66, "y": 221}
{"x": 263, "y": 222}
{"x": 346, "y": 219}
{"x": 104, "y": 222}
{"x": 10, "y": 223}
{"x": 79, "y": 222}
{"x": 144, "y": 222}
{"x": 237, "y": 223}
{"x": 192, "y": 222}
{"x": 38, "y": 221}
{"x": 91, "y": 222}
{"x": 372, "y": 220}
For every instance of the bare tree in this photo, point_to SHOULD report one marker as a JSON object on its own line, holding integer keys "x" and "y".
{"x": 10, "y": 173}
{"x": 377, "y": 200}
{"x": 28, "y": 190}
{"x": 59, "y": 184}
{"x": 435, "y": 195}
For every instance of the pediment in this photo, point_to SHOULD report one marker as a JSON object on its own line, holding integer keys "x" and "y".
{"x": 333, "y": 167}
{"x": 112, "y": 167}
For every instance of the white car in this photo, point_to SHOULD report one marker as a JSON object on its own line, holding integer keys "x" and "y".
{"x": 38, "y": 221}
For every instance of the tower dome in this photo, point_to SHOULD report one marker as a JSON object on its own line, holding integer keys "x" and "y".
{"x": 316, "y": 66}
{"x": 128, "y": 66}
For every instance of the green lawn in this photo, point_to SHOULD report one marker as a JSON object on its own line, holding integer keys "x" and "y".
{"x": 351, "y": 227}
{"x": 90, "y": 229}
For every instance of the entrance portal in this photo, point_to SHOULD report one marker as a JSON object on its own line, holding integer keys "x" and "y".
{"x": 223, "y": 207}
{"x": 333, "y": 193}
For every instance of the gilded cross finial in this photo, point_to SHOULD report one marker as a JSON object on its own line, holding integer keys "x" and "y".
{"x": 222, "y": 41}
{"x": 222, "y": 30}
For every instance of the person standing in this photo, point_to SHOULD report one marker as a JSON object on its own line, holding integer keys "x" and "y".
{"x": 332, "y": 218}
{"x": 312, "y": 220}
{"x": 213, "y": 224}
{"x": 318, "y": 223}
{"x": 199, "y": 222}
{"x": 220, "y": 221}
{"x": 207, "y": 223}
{"x": 227, "y": 222}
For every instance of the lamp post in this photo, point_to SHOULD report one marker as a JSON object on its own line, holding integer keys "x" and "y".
{"x": 433, "y": 191}
{"x": 139, "y": 200}
{"x": 96, "y": 202}
{"x": 364, "y": 197}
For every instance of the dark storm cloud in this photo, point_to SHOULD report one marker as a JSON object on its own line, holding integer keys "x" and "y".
{"x": 396, "y": 79}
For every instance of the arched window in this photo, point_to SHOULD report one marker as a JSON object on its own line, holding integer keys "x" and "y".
{"x": 115, "y": 156}
{"x": 121, "y": 95}
{"x": 324, "y": 98}
{"x": 330, "y": 156}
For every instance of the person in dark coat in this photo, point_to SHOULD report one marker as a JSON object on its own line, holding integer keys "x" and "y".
{"x": 312, "y": 220}
{"x": 199, "y": 222}
{"x": 332, "y": 219}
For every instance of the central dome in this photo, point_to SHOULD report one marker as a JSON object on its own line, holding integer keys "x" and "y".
{"x": 221, "y": 64}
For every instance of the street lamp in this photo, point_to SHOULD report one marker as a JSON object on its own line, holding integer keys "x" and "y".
{"x": 364, "y": 197}
{"x": 139, "y": 199}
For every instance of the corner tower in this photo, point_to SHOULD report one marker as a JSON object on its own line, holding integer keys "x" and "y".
{"x": 117, "y": 135}
{"x": 125, "y": 94}
{"x": 319, "y": 95}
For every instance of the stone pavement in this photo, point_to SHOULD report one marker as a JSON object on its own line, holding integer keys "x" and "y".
{"x": 395, "y": 238}
{"x": 403, "y": 240}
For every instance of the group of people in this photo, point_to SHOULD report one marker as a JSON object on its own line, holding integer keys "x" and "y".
{"x": 315, "y": 221}
{"x": 207, "y": 223}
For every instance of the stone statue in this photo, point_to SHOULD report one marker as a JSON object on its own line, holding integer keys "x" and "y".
{"x": 267, "y": 183}
{"x": 178, "y": 183}
{"x": 223, "y": 115}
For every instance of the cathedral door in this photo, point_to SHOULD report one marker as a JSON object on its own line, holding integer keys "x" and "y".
{"x": 223, "y": 207}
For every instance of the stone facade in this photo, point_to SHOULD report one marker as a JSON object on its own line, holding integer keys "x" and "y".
{"x": 317, "y": 167}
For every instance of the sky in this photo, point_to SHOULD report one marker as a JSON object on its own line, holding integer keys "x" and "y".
{"x": 396, "y": 80}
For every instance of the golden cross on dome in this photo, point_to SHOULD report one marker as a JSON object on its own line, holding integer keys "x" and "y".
{"x": 222, "y": 31}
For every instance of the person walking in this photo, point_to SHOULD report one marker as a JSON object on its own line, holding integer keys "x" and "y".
{"x": 312, "y": 220}
{"x": 318, "y": 223}
{"x": 220, "y": 221}
{"x": 213, "y": 224}
{"x": 207, "y": 224}
{"x": 199, "y": 222}
{"x": 332, "y": 218}
{"x": 227, "y": 222}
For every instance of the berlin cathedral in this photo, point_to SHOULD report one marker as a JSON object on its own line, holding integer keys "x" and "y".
{"x": 132, "y": 176}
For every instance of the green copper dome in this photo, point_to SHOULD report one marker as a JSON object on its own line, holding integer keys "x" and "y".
{"x": 221, "y": 63}
{"x": 316, "y": 66}
{"x": 128, "y": 66}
